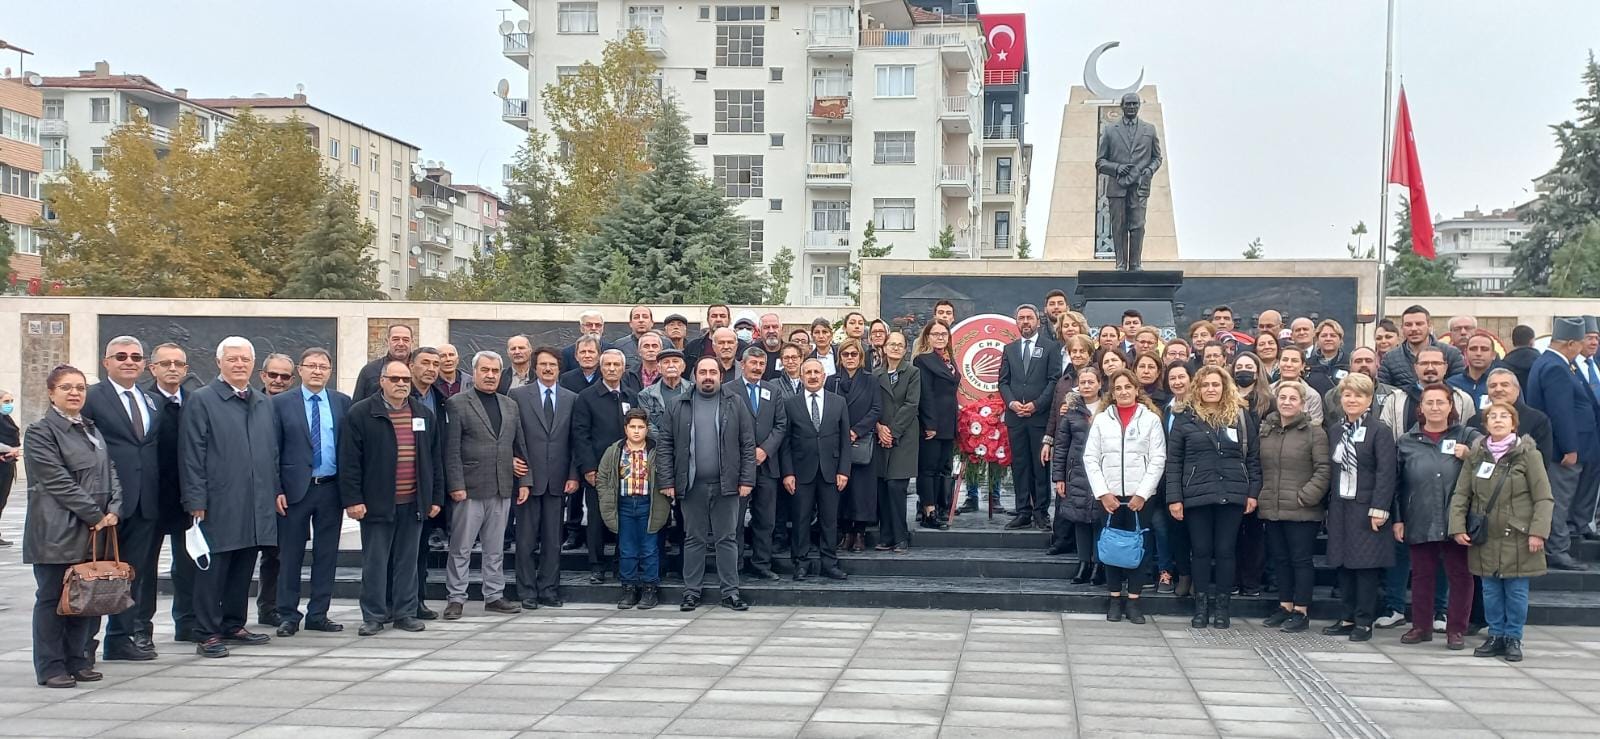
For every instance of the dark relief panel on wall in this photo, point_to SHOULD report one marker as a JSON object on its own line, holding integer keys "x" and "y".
{"x": 907, "y": 300}
{"x": 472, "y": 336}
{"x": 199, "y": 335}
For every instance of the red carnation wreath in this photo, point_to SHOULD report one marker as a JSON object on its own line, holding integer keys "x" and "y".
{"x": 982, "y": 432}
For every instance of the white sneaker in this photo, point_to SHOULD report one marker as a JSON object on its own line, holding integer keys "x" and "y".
{"x": 1439, "y": 624}
{"x": 1390, "y": 620}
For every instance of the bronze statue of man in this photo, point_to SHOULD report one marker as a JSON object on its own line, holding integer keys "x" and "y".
{"x": 1129, "y": 154}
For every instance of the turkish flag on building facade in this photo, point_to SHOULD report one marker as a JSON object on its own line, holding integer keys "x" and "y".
{"x": 1007, "y": 37}
{"x": 1405, "y": 169}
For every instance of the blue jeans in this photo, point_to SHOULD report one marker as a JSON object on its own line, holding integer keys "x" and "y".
{"x": 1158, "y": 530}
{"x": 638, "y": 552}
{"x": 1396, "y": 579}
{"x": 1505, "y": 605}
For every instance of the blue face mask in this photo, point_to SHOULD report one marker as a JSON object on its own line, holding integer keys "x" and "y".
{"x": 7, "y": 408}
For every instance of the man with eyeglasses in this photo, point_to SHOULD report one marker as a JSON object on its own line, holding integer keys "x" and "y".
{"x": 308, "y": 423}
{"x": 127, "y": 418}
{"x": 170, "y": 384}
{"x": 391, "y": 479}
{"x": 277, "y": 376}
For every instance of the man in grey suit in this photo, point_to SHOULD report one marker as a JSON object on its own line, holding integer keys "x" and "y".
{"x": 546, "y": 412}
{"x": 483, "y": 432}
{"x": 1029, "y": 368}
{"x": 765, "y": 402}
{"x": 1129, "y": 154}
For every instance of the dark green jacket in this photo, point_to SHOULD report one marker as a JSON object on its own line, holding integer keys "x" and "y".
{"x": 1523, "y": 510}
{"x": 608, "y": 482}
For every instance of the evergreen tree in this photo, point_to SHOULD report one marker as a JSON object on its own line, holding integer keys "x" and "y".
{"x": 1024, "y": 247}
{"x": 534, "y": 257}
{"x": 1410, "y": 274}
{"x": 1254, "y": 250}
{"x": 1572, "y": 193}
{"x": 1576, "y": 269}
{"x": 617, "y": 287}
{"x": 779, "y": 274}
{"x": 946, "y": 248}
{"x": 331, "y": 262}
{"x": 674, "y": 229}
{"x": 9, "y": 247}
{"x": 869, "y": 250}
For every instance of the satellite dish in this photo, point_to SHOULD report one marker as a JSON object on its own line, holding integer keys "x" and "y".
{"x": 300, "y": 87}
{"x": 430, "y": 164}
{"x": 962, "y": 224}
{"x": 523, "y": 26}
{"x": 34, "y": 79}
{"x": 416, "y": 251}
{"x": 502, "y": 89}
{"x": 506, "y": 26}
{"x": 417, "y": 215}
{"x": 452, "y": 199}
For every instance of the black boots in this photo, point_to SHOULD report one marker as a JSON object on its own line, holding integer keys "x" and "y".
{"x": 630, "y": 597}
{"x": 1114, "y": 608}
{"x": 1202, "y": 611}
{"x": 1219, "y": 612}
{"x": 1134, "y": 613}
{"x": 1084, "y": 571}
{"x": 1099, "y": 576}
{"x": 1513, "y": 649}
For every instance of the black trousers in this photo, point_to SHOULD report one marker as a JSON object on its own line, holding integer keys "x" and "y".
{"x": 933, "y": 472}
{"x": 1131, "y": 580}
{"x": 892, "y": 528}
{"x": 594, "y": 531}
{"x": 315, "y": 517}
{"x": 763, "y": 507}
{"x": 60, "y": 643}
{"x": 1291, "y": 544}
{"x": 1027, "y": 472}
{"x": 539, "y": 529}
{"x": 817, "y": 500}
{"x": 388, "y": 581}
{"x": 440, "y": 523}
{"x": 222, "y": 593}
{"x": 1251, "y": 552}
{"x": 1213, "y": 533}
{"x": 267, "y": 595}
{"x": 1178, "y": 542}
{"x": 184, "y": 574}
{"x": 1359, "y": 590}
{"x": 139, "y": 540}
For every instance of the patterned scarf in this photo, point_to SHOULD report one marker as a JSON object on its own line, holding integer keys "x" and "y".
{"x": 1498, "y": 448}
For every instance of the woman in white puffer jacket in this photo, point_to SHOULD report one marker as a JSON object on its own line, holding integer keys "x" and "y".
{"x": 1124, "y": 459}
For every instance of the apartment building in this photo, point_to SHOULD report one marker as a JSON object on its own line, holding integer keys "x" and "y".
{"x": 21, "y": 165}
{"x": 1480, "y": 245}
{"x": 450, "y": 224}
{"x": 377, "y": 165}
{"x": 815, "y": 117}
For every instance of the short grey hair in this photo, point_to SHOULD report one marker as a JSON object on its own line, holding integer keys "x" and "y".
{"x": 276, "y": 356}
{"x": 617, "y": 352}
{"x": 653, "y": 335}
{"x": 1023, "y": 307}
{"x": 587, "y": 339}
{"x": 124, "y": 341}
{"x": 524, "y": 337}
{"x": 591, "y": 313}
{"x": 1508, "y": 373}
{"x": 486, "y": 354}
{"x": 235, "y": 342}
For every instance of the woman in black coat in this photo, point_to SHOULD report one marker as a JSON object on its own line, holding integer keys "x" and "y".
{"x": 10, "y": 451}
{"x": 1076, "y": 513}
{"x": 937, "y": 411}
{"x": 858, "y": 505}
{"x": 1359, "y": 504}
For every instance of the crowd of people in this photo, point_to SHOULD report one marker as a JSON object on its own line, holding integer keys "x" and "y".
{"x": 771, "y": 451}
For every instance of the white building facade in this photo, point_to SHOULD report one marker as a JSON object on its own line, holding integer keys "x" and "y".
{"x": 815, "y": 118}
{"x": 1480, "y": 245}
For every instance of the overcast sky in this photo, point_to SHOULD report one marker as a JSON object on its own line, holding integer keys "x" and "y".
{"x": 1272, "y": 109}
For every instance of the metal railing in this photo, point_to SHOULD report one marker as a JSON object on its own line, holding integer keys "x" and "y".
{"x": 828, "y": 38}
{"x": 828, "y": 171}
{"x": 881, "y": 38}
{"x": 999, "y": 187}
{"x": 827, "y": 241}
{"x": 515, "y": 108}
{"x": 514, "y": 43}
{"x": 1001, "y": 131}
{"x": 655, "y": 37}
{"x": 52, "y": 127}
{"x": 949, "y": 173}
{"x": 957, "y": 104}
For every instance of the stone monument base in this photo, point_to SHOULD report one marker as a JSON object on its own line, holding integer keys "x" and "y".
{"x": 1102, "y": 296}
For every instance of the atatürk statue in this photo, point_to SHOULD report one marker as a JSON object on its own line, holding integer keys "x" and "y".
{"x": 1129, "y": 155}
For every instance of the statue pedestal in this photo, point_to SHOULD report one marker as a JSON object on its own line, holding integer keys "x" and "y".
{"x": 1102, "y": 296}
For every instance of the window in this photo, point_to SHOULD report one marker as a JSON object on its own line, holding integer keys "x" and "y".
{"x": 25, "y": 239}
{"x": 739, "y": 175}
{"x": 461, "y": 263}
{"x": 395, "y": 169}
{"x": 894, "y": 147}
{"x": 775, "y": 74}
{"x": 755, "y": 238}
{"x": 565, "y": 72}
{"x": 55, "y": 154}
{"x": 775, "y": 204}
{"x": 394, "y": 245}
{"x": 394, "y": 279}
{"x": 355, "y": 155}
{"x": 578, "y": 18}
{"x": 372, "y": 199}
{"x": 833, "y": 20}
{"x": 700, "y": 75}
{"x": 702, "y": 139}
{"x": 1002, "y": 230}
{"x": 894, "y": 214}
{"x": 705, "y": 12}
{"x": 734, "y": 13}
{"x": 741, "y": 111}
{"x": 100, "y": 110}
{"x": 394, "y": 207}
{"x": 97, "y": 159}
{"x": 19, "y": 182}
{"x": 772, "y": 12}
{"x": 777, "y": 140}
{"x": 741, "y": 46}
{"x": 830, "y": 215}
{"x": 897, "y": 81}
{"x": 373, "y": 159}
{"x": 53, "y": 109}
{"x": 830, "y": 280}
{"x": 830, "y": 149}
{"x": 204, "y": 127}
{"x": 333, "y": 148}
{"x": 826, "y": 83}
{"x": 18, "y": 126}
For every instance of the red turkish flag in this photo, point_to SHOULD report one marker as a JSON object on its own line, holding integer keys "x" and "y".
{"x": 1007, "y": 37}
{"x": 1404, "y": 169}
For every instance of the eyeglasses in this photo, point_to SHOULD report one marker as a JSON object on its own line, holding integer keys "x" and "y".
{"x": 398, "y": 379}
{"x": 126, "y": 357}
{"x": 316, "y": 367}
{"x": 280, "y": 376}
{"x": 172, "y": 364}
{"x": 72, "y": 388}
{"x": 849, "y": 354}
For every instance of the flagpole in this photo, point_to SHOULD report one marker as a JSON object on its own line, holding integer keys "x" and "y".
{"x": 1388, "y": 139}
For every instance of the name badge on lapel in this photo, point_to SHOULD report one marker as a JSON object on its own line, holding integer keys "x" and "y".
{"x": 1484, "y": 402}
{"x": 1360, "y": 435}
{"x": 419, "y": 424}
{"x": 1233, "y": 435}
{"x": 1340, "y": 374}
{"x": 1448, "y": 446}
{"x": 1486, "y": 470}
{"x": 624, "y": 407}
{"x": 1037, "y": 352}
{"x": 766, "y": 394}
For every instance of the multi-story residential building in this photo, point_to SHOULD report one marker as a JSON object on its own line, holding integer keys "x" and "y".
{"x": 1480, "y": 244}
{"x": 81, "y": 111}
{"x": 813, "y": 117}
{"x": 21, "y": 164}
{"x": 451, "y": 223}
{"x": 377, "y": 165}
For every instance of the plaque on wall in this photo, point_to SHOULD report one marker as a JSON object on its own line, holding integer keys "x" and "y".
{"x": 46, "y": 344}
{"x": 199, "y": 336}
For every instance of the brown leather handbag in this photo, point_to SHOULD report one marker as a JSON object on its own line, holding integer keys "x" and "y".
{"x": 97, "y": 587}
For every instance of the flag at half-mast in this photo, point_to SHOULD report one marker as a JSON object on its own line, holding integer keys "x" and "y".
{"x": 1405, "y": 169}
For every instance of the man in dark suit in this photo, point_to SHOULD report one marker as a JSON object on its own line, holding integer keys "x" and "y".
{"x": 128, "y": 418}
{"x": 586, "y": 353}
{"x": 765, "y": 403}
{"x": 308, "y": 422}
{"x": 546, "y": 412}
{"x": 597, "y": 424}
{"x": 170, "y": 385}
{"x": 519, "y": 352}
{"x": 1029, "y": 368}
{"x": 591, "y": 324}
{"x": 1555, "y": 388}
{"x": 1522, "y": 356}
{"x": 816, "y": 469}
{"x": 1128, "y": 155}
{"x": 717, "y": 316}
{"x": 399, "y": 340}
{"x": 229, "y": 451}
{"x": 277, "y": 376}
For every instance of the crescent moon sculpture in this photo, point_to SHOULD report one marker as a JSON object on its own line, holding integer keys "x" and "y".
{"x": 1097, "y": 87}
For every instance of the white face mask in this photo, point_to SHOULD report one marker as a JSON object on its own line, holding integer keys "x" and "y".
{"x": 744, "y": 334}
{"x": 195, "y": 542}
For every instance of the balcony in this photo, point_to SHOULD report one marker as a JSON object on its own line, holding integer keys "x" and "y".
{"x": 53, "y": 127}
{"x": 997, "y": 246}
{"x": 161, "y": 135}
{"x": 1003, "y": 134}
{"x": 828, "y": 174}
{"x": 515, "y": 46}
{"x": 830, "y": 109}
{"x": 515, "y": 112}
{"x": 655, "y": 39}
{"x": 437, "y": 240}
{"x": 437, "y": 205}
{"x": 999, "y": 187}
{"x": 956, "y": 179}
{"x": 830, "y": 41}
{"x": 827, "y": 242}
{"x": 955, "y": 114}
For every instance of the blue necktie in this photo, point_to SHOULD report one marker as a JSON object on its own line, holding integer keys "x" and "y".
{"x": 316, "y": 431}
{"x": 754, "y": 399}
